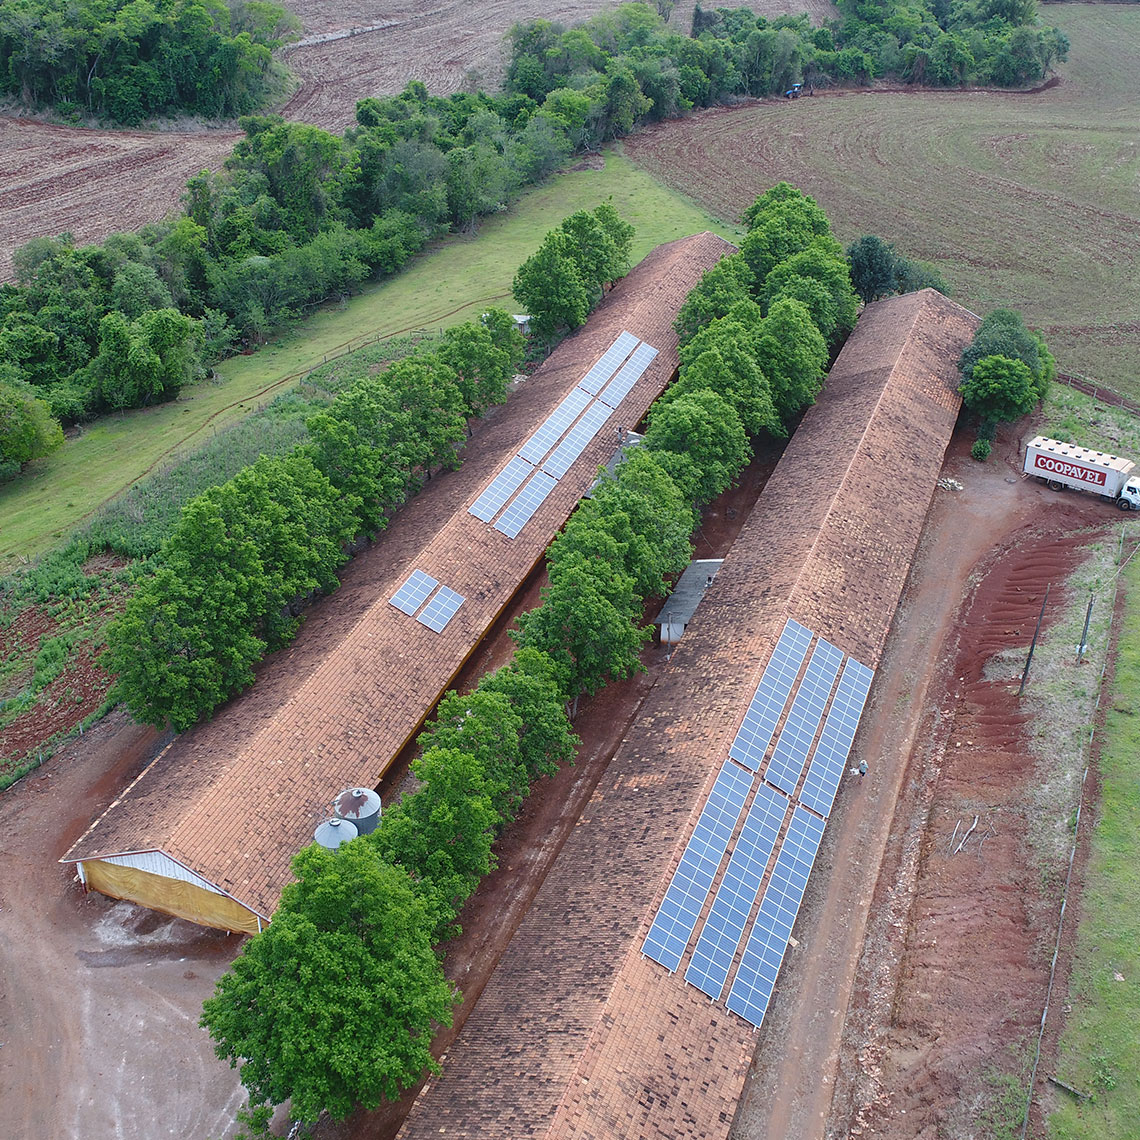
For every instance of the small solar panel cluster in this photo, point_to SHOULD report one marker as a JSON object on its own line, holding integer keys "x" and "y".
{"x": 421, "y": 587}
{"x": 815, "y": 699}
{"x": 527, "y": 480}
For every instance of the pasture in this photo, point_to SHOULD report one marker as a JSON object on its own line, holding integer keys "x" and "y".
{"x": 1022, "y": 200}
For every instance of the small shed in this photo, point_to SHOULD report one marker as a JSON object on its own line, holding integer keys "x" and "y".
{"x": 626, "y": 441}
{"x": 682, "y": 603}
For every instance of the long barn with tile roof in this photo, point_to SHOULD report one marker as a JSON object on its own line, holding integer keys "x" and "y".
{"x": 581, "y": 1031}
{"x": 208, "y": 829}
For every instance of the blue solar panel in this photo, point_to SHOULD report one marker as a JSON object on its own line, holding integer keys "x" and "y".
{"x": 500, "y": 489}
{"x": 621, "y": 385}
{"x": 794, "y": 743}
{"x": 441, "y": 609}
{"x": 555, "y": 426}
{"x": 681, "y": 907}
{"x": 413, "y": 593}
{"x": 594, "y": 380}
{"x": 771, "y": 695}
{"x": 736, "y": 895}
{"x": 764, "y": 951}
{"x": 835, "y": 741}
{"x": 525, "y": 503}
{"x": 577, "y": 440}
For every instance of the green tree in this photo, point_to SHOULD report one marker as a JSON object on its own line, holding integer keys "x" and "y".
{"x": 27, "y": 429}
{"x": 722, "y": 358}
{"x": 586, "y": 623}
{"x": 482, "y": 369}
{"x": 793, "y": 355}
{"x": 727, "y": 284}
{"x": 334, "y": 1003}
{"x": 441, "y": 834}
{"x": 428, "y": 394}
{"x": 530, "y": 681}
{"x": 704, "y": 440}
{"x": 1003, "y": 333}
{"x": 821, "y": 261}
{"x": 550, "y": 288}
{"x": 660, "y": 521}
{"x": 874, "y": 267}
{"x": 593, "y": 251}
{"x": 999, "y": 389}
{"x": 483, "y": 724}
{"x": 360, "y": 444}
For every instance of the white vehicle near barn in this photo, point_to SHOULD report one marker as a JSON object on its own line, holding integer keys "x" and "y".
{"x": 1063, "y": 465}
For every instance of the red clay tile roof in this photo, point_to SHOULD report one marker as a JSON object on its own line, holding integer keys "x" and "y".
{"x": 235, "y": 799}
{"x": 576, "y": 1034}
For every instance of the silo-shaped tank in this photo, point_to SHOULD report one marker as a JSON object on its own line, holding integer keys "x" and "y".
{"x": 360, "y": 807}
{"x": 333, "y": 832}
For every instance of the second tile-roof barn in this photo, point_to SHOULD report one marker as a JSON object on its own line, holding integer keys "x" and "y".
{"x": 207, "y": 831}
{"x": 581, "y": 1032}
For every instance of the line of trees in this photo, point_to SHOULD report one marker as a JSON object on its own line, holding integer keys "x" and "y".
{"x": 333, "y": 955}
{"x": 129, "y": 60}
{"x": 245, "y": 557}
{"x": 604, "y": 77}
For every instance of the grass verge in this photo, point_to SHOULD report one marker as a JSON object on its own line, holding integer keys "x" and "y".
{"x": 1100, "y": 1047}
{"x": 444, "y": 286}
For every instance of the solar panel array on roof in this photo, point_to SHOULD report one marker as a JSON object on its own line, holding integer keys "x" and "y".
{"x": 791, "y": 751}
{"x": 711, "y": 965}
{"x": 563, "y": 456}
{"x": 575, "y": 422}
{"x": 764, "y": 951}
{"x": 555, "y": 426}
{"x": 525, "y": 503}
{"x": 441, "y": 609}
{"x": 835, "y": 741}
{"x": 622, "y": 384}
{"x": 595, "y": 379}
{"x": 500, "y": 489}
{"x": 685, "y": 897}
{"x": 771, "y": 695}
{"x": 414, "y": 592}
{"x": 736, "y": 895}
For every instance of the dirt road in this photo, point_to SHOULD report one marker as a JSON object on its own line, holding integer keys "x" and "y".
{"x": 860, "y": 971}
{"x": 99, "y": 1000}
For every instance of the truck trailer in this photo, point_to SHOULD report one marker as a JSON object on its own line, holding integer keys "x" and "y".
{"x": 1063, "y": 465}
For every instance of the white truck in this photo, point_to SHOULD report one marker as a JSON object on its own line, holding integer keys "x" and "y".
{"x": 1063, "y": 465}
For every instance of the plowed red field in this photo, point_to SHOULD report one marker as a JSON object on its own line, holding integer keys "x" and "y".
{"x": 92, "y": 183}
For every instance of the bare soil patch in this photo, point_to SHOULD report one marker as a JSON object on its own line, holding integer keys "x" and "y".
{"x": 56, "y": 179}
{"x": 955, "y": 964}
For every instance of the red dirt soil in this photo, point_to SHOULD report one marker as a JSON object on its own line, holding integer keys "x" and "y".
{"x": 955, "y": 965}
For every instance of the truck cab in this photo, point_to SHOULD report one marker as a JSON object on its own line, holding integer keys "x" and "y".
{"x": 1130, "y": 495}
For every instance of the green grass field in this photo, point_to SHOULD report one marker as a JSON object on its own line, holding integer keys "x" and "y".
{"x": 1100, "y": 1045}
{"x": 1027, "y": 200}
{"x": 447, "y": 285}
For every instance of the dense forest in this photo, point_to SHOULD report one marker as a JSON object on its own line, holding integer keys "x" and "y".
{"x": 129, "y": 60}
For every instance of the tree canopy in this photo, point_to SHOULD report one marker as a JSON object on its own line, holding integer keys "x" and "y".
{"x": 334, "y": 1003}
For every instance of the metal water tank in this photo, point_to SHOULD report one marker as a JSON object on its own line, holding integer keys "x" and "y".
{"x": 360, "y": 807}
{"x": 333, "y": 832}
